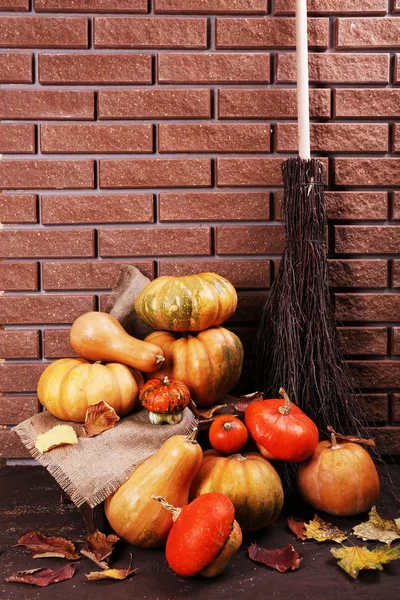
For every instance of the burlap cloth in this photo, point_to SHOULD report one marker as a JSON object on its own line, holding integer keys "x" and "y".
{"x": 94, "y": 468}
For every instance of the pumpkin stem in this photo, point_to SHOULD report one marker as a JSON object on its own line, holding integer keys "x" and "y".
{"x": 285, "y": 408}
{"x": 166, "y": 381}
{"x": 227, "y": 425}
{"x": 172, "y": 509}
{"x": 159, "y": 359}
{"x": 192, "y": 437}
{"x": 334, "y": 443}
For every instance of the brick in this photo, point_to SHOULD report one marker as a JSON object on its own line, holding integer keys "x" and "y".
{"x": 336, "y": 68}
{"x": 143, "y": 173}
{"x": 396, "y": 205}
{"x": 269, "y": 103}
{"x": 367, "y": 239}
{"x": 395, "y": 341}
{"x": 57, "y": 345}
{"x": 396, "y": 273}
{"x": 213, "y": 68}
{"x": 20, "y": 377}
{"x": 396, "y": 6}
{"x": 358, "y": 273}
{"x": 374, "y": 103}
{"x": 43, "y": 32}
{"x": 76, "y": 69}
{"x": 367, "y": 307}
{"x": 372, "y": 32}
{"x": 15, "y": 67}
{"x": 396, "y": 138}
{"x": 46, "y": 104}
{"x": 260, "y": 239}
{"x": 14, "y": 5}
{"x": 268, "y": 33}
{"x": 46, "y": 174}
{"x": 249, "y": 308}
{"x": 327, "y": 7}
{"x": 45, "y": 243}
{"x": 11, "y": 445}
{"x": 367, "y": 171}
{"x": 214, "y": 137}
{"x": 396, "y": 405}
{"x": 87, "y": 275}
{"x": 19, "y": 276}
{"x": 214, "y": 206}
{"x": 96, "y": 137}
{"x": 44, "y": 309}
{"x": 152, "y": 32}
{"x": 18, "y": 208}
{"x": 19, "y": 344}
{"x": 374, "y": 406}
{"x": 363, "y": 340}
{"x": 154, "y": 103}
{"x": 241, "y": 273}
{"x": 162, "y": 241}
{"x": 335, "y": 137}
{"x": 14, "y": 409}
{"x": 396, "y": 74}
{"x": 87, "y": 6}
{"x": 210, "y": 7}
{"x": 375, "y": 374}
{"x": 100, "y": 208}
{"x": 17, "y": 139}
{"x": 387, "y": 440}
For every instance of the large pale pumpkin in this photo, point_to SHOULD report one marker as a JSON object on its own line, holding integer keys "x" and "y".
{"x": 209, "y": 362}
{"x": 189, "y": 303}
{"x": 69, "y": 385}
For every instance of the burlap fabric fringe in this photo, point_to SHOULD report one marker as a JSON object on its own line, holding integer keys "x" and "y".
{"x": 94, "y": 468}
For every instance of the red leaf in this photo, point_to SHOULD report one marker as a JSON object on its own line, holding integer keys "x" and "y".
{"x": 42, "y": 546}
{"x": 98, "y": 547}
{"x": 244, "y": 401}
{"x": 42, "y": 577}
{"x": 280, "y": 559}
{"x": 298, "y": 527}
{"x": 351, "y": 438}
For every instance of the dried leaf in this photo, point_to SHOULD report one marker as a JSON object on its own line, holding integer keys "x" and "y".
{"x": 42, "y": 546}
{"x": 355, "y": 558}
{"x": 207, "y": 413}
{"x": 98, "y": 547}
{"x": 42, "y": 577}
{"x": 280, "y": 559}
{"x": 298, "y": 527}
{"x": 376, "y": 528}
{"x": 351, "y": 438}
{"x": 99, "y": 417}
{"x": 57, "y": 436}
{"x": 321, "y": 531}
{"x": 244, "y": 401}
{"x": 112, "y": 573}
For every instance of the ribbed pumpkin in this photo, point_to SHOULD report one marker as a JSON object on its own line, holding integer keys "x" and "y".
{"x": 69, "y": 385}
{"x": 209, "y": 362}
{"x": 165, "y": 400}
{"x": 248, "y": 480}
{"x": 188, "y": 303}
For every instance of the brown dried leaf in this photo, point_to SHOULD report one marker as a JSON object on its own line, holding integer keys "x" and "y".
{"x": 98, "y": 547}
{"x": 280, "y": 559}
{"x": 351, "y": 438}
{"x": 42, "y": 577}
{"x": 298, "y": 527}
{"x": 99, "y": 417}
{"x": 376, "y": 528}
{"x": 42, "y": 546}
{"x": 321, "y": 531}
{"x": 244, "y": 401}
{"x": 112, "y": 573}
{"x": 56, "y": 436}
{"x": 207, "y": 413}
{"x": 354, "y": 558}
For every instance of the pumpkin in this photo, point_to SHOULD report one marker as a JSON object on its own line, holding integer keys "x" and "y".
{"x": 265, "y": 453}
{"x": 209, "y": 362}
{"x": 165, "y": 400}
{"x": 188, "y": 303}
{"x": 69, "y": 385}
{"x": 340, "y": 478}
{"x": 282, "y": 428}
{"x": 227, "y": 434}
{"x": 99, "y": 336}
{"x": 131, "y": 511}
{"x": 248, "y": 480}
{"x": 204, "y": 536}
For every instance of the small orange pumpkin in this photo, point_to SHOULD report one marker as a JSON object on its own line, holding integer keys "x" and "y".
{"x": 227, "y": 434}
{"x": 165, "y": 400}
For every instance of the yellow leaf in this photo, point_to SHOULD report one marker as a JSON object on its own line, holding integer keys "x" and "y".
{"x": 111, "y": 573}
{"x": 355, "y": 558}
{"x": 320, "y": 530}
{"x": 376, "y": 528}
{"x": 57, "y": 436}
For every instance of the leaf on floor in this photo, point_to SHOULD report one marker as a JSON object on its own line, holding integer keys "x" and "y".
{"x": 298, "y": 527}
{"x": 99, "y": 417}
{"x": 280, "y": 559}
{"x": 316, "y": 529}
{"x": 42, "y": 577}
{"x": 59, "y": 435}
{"x": 378, "y": 529}
{"x": 42, "y": 546}
{"x": 98, "y": 547}
{"x": 112, "y": 573}
{"x": 353, "y": 559}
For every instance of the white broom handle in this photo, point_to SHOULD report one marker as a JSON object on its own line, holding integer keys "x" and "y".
{"x": 302, "y": 79}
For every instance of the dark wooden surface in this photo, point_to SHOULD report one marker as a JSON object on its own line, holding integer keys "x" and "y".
{"x": 29, "y": 498}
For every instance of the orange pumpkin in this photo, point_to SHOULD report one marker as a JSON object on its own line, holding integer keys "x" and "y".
{"x": 209, "y": 362}
{"x": 165, "y": 400}
{"x": 227, "y": 434}
{"x": 69, "y": 385}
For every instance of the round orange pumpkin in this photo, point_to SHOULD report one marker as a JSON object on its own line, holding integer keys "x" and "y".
{"x": 209, "y": 362}
{"x": 165, "y": 400}
{"x": 249, "y": 481}
{"x": 69, "y": 385}
{"x": 188, "y": 303}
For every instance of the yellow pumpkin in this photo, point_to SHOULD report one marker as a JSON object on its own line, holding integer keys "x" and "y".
{"x": 69, "y": 385}
{"x": 188, "y": 303}
{"x": 209, "y": 362}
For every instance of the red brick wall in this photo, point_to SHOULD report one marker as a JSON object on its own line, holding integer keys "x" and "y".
{"x": 156, "y": 135}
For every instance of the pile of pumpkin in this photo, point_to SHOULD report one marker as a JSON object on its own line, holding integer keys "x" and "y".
{"x": 191, "y": 355}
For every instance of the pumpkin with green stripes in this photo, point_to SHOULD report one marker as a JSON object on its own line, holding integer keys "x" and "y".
{"x": 188, "y": 303}
{"x": 209, "y": 362}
